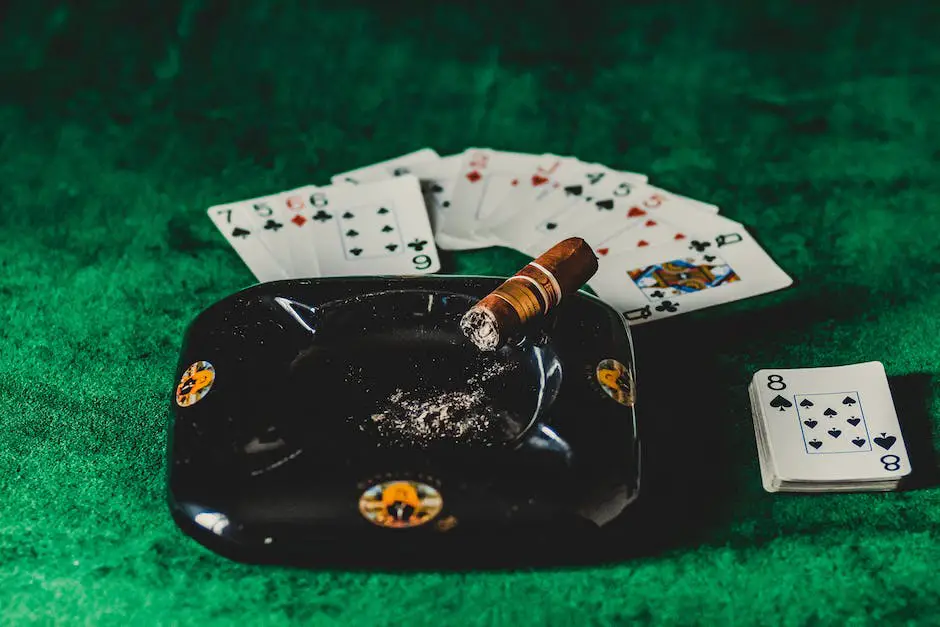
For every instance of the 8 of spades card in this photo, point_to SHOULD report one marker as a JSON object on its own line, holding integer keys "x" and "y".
{"x": 828, "y": 429}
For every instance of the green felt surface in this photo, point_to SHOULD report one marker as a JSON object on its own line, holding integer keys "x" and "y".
{"x": 817, "y": 124}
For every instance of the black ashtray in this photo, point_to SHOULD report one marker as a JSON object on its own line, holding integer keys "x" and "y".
{"x": 345, "y": 419}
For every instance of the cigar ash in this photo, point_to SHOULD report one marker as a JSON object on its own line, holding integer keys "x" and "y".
{"x": 479, "y": 325}
{"x": 462, "y": 412}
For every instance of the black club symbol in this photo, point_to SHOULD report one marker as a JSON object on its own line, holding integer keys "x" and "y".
{"x": 699, "y": 246}
{"x": 322, "y": 216}
{"x": 418, "y": 244}
{"x": 658, "y": 294}
{"x": 667, "y": 305}
{"x": 272, "y": 225}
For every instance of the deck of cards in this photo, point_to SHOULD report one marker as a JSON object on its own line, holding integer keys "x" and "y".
{"x": 827, "y": 430}
{"x": 660, "y": 254}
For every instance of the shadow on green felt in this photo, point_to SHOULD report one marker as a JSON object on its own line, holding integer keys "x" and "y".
{"x": 911, "y": 394}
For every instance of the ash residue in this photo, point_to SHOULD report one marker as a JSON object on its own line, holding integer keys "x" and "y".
{"x": 423, "y": 417}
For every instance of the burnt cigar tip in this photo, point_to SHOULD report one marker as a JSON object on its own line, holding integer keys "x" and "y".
{"x": 530, "y": 293}
{"x": 480, "y": 326}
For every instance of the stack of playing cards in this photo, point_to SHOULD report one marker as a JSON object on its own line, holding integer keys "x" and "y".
{"x": 660, "y": 254}
{"x": 827, "y": 430}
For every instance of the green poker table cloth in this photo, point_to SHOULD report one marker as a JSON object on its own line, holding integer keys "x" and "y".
{"x": 815, "y": 124}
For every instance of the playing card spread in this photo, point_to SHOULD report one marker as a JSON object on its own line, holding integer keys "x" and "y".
{"x": 660, "y": 254}
{"x": 827, "y": 429}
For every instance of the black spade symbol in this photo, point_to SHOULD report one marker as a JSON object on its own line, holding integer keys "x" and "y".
{"x": 382, "y": 211}
{"x": 387, "y": 229}
{"x": 810, "y": 423}
{"x": 859, "y": 442}
{"x": 780, "y": 402}
{"x": 391, "y": 247}
{"x": 848, "y": 400}
{"x": 551, "y": 226}
{"x": 348, "y": 215}
{"x": 356, "y": 251}
{"x": 806, "y": 403}
{"x": 574, "y": 190}
{"x": 815, "y": 443}
{"x": 240, "y": 232}
{"x": 830, "y": 412}
{"x": 834, "y": 432}
{"x": 352, "y": 233}
{"x": 605, "y": 204}
{"x": 322, "y": 216}
{"x": 854, "y": 421}
{"x": 885, "y": 441}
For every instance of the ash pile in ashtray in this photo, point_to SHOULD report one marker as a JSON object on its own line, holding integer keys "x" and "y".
{"x": 422, "y": 417}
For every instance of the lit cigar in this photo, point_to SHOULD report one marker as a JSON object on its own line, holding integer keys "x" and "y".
{"x": 531, "y": 292}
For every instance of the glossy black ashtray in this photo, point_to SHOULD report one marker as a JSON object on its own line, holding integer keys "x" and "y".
{"x": 346, "y": 419}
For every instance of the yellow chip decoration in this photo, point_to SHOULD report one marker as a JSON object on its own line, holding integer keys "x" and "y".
{"x": 400, "y": 504}
{"x": 616, "y": 381}
{"x": 195, "y": 383}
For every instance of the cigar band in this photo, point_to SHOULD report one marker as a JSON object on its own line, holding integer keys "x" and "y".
{"x": 546, "y": 302}
{"x": 556, "y": 288}
{"x": 523, "y": 300}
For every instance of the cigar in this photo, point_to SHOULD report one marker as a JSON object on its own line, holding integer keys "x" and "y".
{"x": 531, "y": 292}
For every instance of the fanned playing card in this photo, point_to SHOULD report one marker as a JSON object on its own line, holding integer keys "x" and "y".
{"x": 648, "y": 284}
{"x": 654, "y": 217}
{"x": 484, "y": 180}
{"x": 621, "y": 205}
{"x": 525, "y": 228}
{"x": 238, "y": 223}
{"x": 379, "y": 228}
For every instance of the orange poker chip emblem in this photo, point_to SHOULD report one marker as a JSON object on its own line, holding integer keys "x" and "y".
{"x": 616, "y": 381}
{"x": 195, "y": 383}
{"x": 400, "y": 504}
